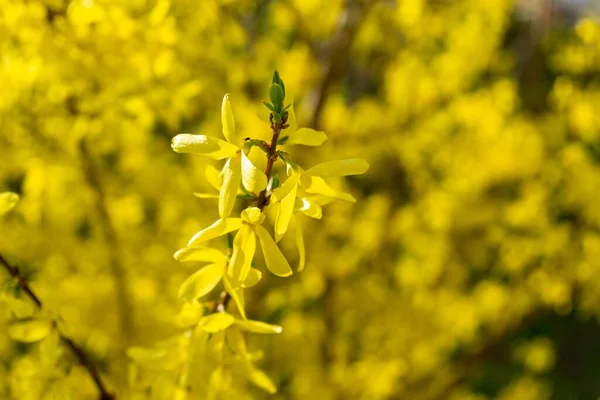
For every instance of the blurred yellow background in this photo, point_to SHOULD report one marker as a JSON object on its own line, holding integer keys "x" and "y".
{"x": 468, "y": 269}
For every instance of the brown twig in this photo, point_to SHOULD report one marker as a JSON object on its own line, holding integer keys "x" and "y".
{"x": 93, "y": 178}
{"x": 76, "y": 350}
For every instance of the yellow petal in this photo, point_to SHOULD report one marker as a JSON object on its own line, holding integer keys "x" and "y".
{"x": 300, "y": 245}
{"x": 201, "y": 282}
{"x": 227, "y": 120}
{"x": 253, "y": 216}
{"x": 213, "y": 176}
{"x": 206, "y": 195}
{"x": 216, "y": 322}
{"x": 282, "y": 191}
{"x": 252, "y": 278}
{"x": 30, "y": 330}
{"x": 353, "y": 166}
{"x": 285, "y": 213}
{"x": 276, "y": 262}
{"x": 202, "y": 254}
{"x": 235, "y": 340}
{"x": 7, "y": 201}
{"x": 307, "y": 137}
{"x": 258, "y": 326}
{"x": 236, "y": 293}
{"x": 260, "y": 379}
{"x": 244, "y": 246}
{"x": 311, "y": 209}
{"x": 204, "y": 145}
{"x": 231, "y": 176}
{"x": 317, "y": 185}
{"x": 156, "y": 358}
{"x": 254, "y": 180}
{"x": 219, "y": 228}
{"x": 189, "y": 314}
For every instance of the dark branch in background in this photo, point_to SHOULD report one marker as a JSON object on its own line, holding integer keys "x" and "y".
{"x": 76, "y": 350}
{"x": 337, "y": 50}
{"x": 93, "y": 179}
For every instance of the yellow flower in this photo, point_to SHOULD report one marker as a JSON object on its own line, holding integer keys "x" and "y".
{"x": 306, "y": 191}
{"x": 238, "y": 168}
{"x": 244, "y": 244}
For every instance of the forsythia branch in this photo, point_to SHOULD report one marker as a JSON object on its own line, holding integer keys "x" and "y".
{"x": 76, "y": 350}
{"x": 263, "y": 199}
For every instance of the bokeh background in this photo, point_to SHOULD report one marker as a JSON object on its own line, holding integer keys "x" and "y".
{"x": 468, "y": 269}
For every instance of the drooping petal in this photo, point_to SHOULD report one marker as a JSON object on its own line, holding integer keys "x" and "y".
{"x": 204, "y": 145}
{"x": 317, "y": 185}
{"x": 201, "y": 282}
{"x": 213, "y": 176}
{"x": 276, "y": 262}
{"x": 244, "y": 246}
{"x": 236, "y": 293}
{"x": 231, "y": 176}
{"x": 235, "y": 340}
{"x": 7, "y": 201}
{"x": 260, "y": 379}
{"x": 307, "y": 137}
{"x": 252, "y": 278}
{"x": 300, "y": 245}
{"x": 282, "y": 191}
{"x": 352, "y": 166}
{"x": 254, "y": 180}
{"x": 286, "y": 210}
{"x": 310, "y": 209}
{"x": 257, "y": 326}
{"x": 219, "y": 228}
{"x": 202, "y": 254}
{"x": 227, "y": 120}
{"x": 216, "y": 322}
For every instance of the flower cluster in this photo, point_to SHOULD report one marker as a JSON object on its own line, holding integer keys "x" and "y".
{"x": 285, "y": 196}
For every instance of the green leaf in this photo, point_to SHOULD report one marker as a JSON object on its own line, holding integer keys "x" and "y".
{"x": 258, "y": 326}
{"x": 216, "y": 322}
{"x": 276, "y": 95}
{"x": 30, "y": 330}
{"x": 277, "y": 79}
{"x": 201, "y": 282}
{"x": 7, "y": 202}
{"x": 269, "y": 105}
